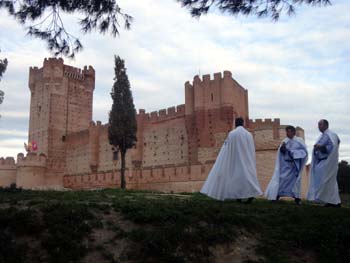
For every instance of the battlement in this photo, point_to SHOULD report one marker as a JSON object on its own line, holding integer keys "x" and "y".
{"x": 32, "y": 159}
{"x": 163, "y": 114}
{"x": 77, "y": 73}
{"x": 53, "y": 61}
{"x": 73, "y": 73}
{"x": 6, "y": 162}
{"x": 34, "y": 70}
{"x": 95, "y": 124}
{"x": 263, "y": 123}
{"x": 206, "y": 79}
{"x": 216, "y": 76}
{"x": 68, "y": 71}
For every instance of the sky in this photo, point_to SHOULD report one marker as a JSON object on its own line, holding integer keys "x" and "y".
{"x": 296, "y": 69}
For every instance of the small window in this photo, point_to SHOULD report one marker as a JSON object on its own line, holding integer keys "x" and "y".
{"x": 212, "y": 97}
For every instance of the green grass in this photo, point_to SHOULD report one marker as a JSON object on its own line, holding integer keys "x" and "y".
{"x": 166, "y": 228}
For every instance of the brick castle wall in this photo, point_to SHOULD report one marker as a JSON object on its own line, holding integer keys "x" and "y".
{"x": 175, "y": 150}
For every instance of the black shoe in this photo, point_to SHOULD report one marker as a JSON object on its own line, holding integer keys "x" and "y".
{"x": 250, "y": 199}
{"x": 297, "y": 201}
{"x": 333, "y": 205}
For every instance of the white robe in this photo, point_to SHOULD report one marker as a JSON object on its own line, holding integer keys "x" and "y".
{"x": 233, "y": 175}
{"x": 326, "y": 171}
{"x": 299, "y": 152}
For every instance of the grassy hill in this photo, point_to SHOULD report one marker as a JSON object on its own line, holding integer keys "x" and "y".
{"x": 135, "y": 226}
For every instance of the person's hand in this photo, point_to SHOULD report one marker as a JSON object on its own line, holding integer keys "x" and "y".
{"x": 317, "y": 146}
{"x": 283, "y": 148}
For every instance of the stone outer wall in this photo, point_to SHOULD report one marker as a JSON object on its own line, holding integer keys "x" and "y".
{"x": 31, "y": 170}
{"x": 8, "y": 171}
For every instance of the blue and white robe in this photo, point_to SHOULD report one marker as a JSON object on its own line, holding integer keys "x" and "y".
{"x": 323, "y": 184}
{"x": 286, "y": 179}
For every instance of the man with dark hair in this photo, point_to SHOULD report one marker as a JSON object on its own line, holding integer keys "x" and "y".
{"x": 239, "y": 122}
{"x": 233, "y": 175}
{"x": 290, "y": 162}
{"x": 323, "y": 186}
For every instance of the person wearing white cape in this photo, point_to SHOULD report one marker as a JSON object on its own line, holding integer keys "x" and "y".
{"x": 290, "y": 162}
{"x": 233, "y": 175}
{"x": 323, "y": 186}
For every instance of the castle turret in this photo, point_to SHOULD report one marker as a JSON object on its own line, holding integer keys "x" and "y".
{"x": 61, "y": 103}
{"x": 211, "y": 106}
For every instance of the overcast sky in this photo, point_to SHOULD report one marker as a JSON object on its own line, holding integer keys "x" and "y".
{"x": 297, "y": 70}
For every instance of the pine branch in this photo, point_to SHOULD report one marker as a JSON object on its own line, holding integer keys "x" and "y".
{"x": 103, "y": 16}
{"x": 260, "y": 8}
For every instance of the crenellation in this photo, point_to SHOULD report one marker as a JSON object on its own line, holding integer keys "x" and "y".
{"x": 9, "y": 161}
{"x": 180, "y": 110}
{"x": 172, "y": 111}
{"x": 53, "y": 61}
{"x": 206, "y": 78}
{"x": 154, "y": 116}
{"x": 6, "y": 162}
{"x": 227, "y": 74}
{"x": 32, "y": 159}
{"x": 188, "y": 84}
{"x": 217, "y": 76}
{"x": 163, "y": 114}
{"x": 196, "y": 79}
{"x": 89, "y": 71}
{"x": 256, "y": 123}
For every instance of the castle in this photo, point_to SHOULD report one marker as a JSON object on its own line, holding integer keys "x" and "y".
{"x": 176, "y": 147}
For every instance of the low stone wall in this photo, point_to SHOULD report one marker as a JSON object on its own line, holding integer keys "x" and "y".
{"x": 168, "y": 179}
{"x": 7, "y": 171}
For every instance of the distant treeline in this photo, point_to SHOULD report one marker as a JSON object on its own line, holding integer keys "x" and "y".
{"x": 344, "y": 177}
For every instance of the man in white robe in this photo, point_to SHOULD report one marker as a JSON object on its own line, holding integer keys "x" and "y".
{"x": 290, "y": 162}
{"x": 323, "y": 186}
{"x": 233, "y": 175}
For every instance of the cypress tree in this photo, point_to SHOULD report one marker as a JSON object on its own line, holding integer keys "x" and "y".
{"x": 122, "y": 117}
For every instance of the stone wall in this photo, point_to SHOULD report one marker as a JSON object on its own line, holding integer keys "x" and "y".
{"x": 8, "y": 171}
{"x": 31, "y": 171}
{"x": 165, "y": 143}
{"x": 77, "y": 153}
{"x": 189, "y": 178}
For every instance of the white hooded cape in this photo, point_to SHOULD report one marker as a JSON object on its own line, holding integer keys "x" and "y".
{"x": 326, "y": 170}
{"x": 273, "y": 187}
{"x": 233, "y": 175}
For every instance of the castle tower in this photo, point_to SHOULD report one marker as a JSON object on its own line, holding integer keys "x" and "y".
{"x": 211, "y": 106}
{"x": 61, "y": 103}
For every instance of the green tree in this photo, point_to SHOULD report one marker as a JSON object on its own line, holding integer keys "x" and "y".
{"x": 102, "y": 15}
{"x": 3, "y": 66}
{"x": 122, "y": 117}
{"x": 259, "y": 8}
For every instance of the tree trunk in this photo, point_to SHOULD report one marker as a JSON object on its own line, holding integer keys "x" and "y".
{"x": 122, "y": 170}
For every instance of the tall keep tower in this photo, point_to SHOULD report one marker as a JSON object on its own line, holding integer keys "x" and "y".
{"x": 61, "y": 103}
{"x": 211, "y": 106}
